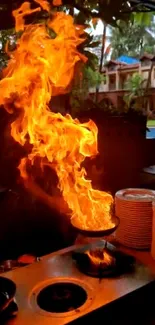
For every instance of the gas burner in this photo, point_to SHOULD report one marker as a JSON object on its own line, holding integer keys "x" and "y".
{"x": 54, "y": 288}
{"x": 61, "y": 297}
{"x": 102, "y": 261}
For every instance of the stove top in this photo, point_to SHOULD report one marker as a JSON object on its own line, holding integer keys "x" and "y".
{"x": 102, "y": 261}
{"x": 70, "y": 293}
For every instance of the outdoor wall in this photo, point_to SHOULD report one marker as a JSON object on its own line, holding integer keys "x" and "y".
{"x": 103, "y": 87}
{"x": 145, "y": 74}
{"x": 120, "y": 75}
{"x": 153, "y": 78}
{"x": 116, "y": 97}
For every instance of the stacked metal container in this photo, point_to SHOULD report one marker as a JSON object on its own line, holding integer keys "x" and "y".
{"x": 134, "y": 208}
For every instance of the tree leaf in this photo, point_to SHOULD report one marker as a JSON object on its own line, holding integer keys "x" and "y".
{"x": 143, "y": 18}
{"x": 132, "y": 39}
{"x": 80, "y": 18}
{"x": 108, "y": 49}
{"x": 94, "y": 44}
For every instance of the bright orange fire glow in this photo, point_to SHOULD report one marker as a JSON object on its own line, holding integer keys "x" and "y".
{"x": 100, "y": 258}
{"x": 41, "y": 67}
{"x": 44, "y": 4}
{"x": 57, "y": 2}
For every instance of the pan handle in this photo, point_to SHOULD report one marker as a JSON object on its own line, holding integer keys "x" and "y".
{"x": 4, "y": 300}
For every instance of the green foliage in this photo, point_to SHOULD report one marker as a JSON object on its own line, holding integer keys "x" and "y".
{"x": 129, "y": 38}
{"x": 7, "y": 38}
{"x": 80, "y": 18}
{"x": 90, "y": 78}
{"x": 134, "y": 99}
{"x": 134, "y": 83}
{"x": 143, "y": 18}
{"x": 132, "y": 39}
{"x": 107, "y": 10}
{"x": 110, "y": 11}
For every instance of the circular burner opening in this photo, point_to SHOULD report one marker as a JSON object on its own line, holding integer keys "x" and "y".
{"x": 61, "y": 297}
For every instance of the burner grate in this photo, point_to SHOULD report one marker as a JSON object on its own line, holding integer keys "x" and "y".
{"x": 120, "y": 262}
{"x": 61, "y": 297}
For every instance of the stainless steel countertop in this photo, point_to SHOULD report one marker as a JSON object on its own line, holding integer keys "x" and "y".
{"x": 60, "y": 266}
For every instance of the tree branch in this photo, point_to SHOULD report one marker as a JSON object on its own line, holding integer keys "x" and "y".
{"x": 87, "y": 12}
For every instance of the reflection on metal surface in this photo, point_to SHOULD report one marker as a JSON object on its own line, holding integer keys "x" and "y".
{"x": 10, "y": 265}
{"x": 81, "y": 305}
{"x": 60, "y": 267}
{"x": 61, "y": 297}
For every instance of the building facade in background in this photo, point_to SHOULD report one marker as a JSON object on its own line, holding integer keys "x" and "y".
{"x": 116, "y": 73}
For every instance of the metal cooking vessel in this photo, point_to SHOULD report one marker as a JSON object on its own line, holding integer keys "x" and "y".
{"x": 96, "y": 233}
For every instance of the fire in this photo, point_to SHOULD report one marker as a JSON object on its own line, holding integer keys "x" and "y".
{"x": 100, "y": 258}
{"x": 41, "y": 67}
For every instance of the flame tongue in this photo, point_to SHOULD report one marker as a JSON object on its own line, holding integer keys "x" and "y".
{"x": 39, "y": 68}
{"x": 101, "y": 258}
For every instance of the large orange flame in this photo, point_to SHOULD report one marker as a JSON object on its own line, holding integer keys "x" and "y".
{"x": 39, "y": 68}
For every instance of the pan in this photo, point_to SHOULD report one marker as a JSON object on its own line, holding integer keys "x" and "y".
{"x": 96, "y": 233}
